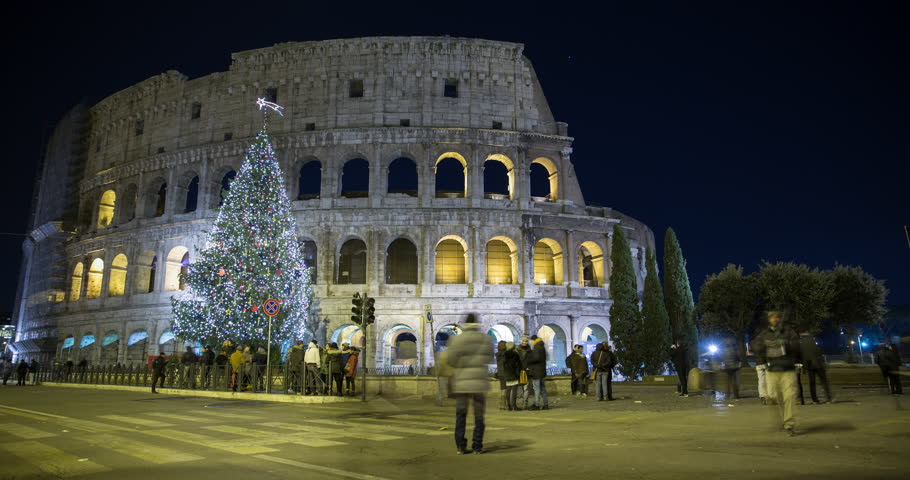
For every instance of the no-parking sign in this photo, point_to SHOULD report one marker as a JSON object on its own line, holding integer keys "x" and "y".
{"x": 271, "y": 307}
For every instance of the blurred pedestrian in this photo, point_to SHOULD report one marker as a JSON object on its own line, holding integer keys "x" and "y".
{"x": 189, "y": 361}
{"x": 350, "y": 371}
{"x": 295, "y": 366}
{"x": 236, "y": 360}
{"x": 508, "y": 371}
{"x": 814, "y": 364}
{"x": 333, "y": 369}
{"x": 679, "y": 356}
{"x": 222, "y": 369}
{"x": 537, "y": 373}
{"x": 889, "y": 361}
{"x": 247, "y": 368}
{"x": 604, "y": 361}
{"x": 443, "y": 378}
{"x": 731, "y": 362}
{"x": 206, "y": 361}
{"x": 523, "y": 349}
{"x": 578, "y": 364}
{"x": 468, "y": 355}
{"x": 764, "y": 391}
{"x": 312, "y": 359}
{"x": 159, "y": 369}
{"x": 260, "y": 359}
{"x": 777, "y": 346}
{"x": 6, "y": 369}
{"x": 21, "y": 372}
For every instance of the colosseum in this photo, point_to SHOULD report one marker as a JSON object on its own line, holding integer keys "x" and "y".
{"x": 428, "y": 172}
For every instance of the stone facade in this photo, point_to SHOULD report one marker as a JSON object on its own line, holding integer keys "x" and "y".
{"x": 158, "y": 154}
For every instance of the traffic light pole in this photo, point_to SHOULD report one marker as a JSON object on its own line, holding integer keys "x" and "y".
{"x": 363, "y": 379}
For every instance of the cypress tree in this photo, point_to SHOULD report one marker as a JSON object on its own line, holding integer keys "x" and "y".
{"x": 625, "y": 319}
{"x": 678, "y": 296}
{"x": 655, "y": 338}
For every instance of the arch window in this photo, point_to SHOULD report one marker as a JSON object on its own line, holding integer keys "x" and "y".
{"x": 156, "y": 200}
{"x": 501, "y": 264}
{"x": 401, "y": 262}
{"x": 95, "y": 275}
{"x": 402, "y": 177}
{"x": 554, "y": 339}
{"x": 544, "y": 180}
{"x": 352, "y": 262}
{"x": 76, "y": 282}
{"x": 400, "y": 345}
{"x": 308, "y": 248}
{"x": 117, "y": 281}
{"x": 189, "y": 188}
{"x": 349, "y": 333}
{"x": 68, "y": 343}
{"x": 451, "y": 176}
{"x": 548, "y": 264}
{"x": 178, "y": 261}
{"x": 355, "y": 179}
{"x": 106, "y": 209}
{"x": 451, "y": 261}
{"x": 591, "y": 336}
{"x": 167, "y": 343}
{"x": 110, "y": 348}
{"x": 498, "y": 177}
{"x": 128, "y": 200}
{"x": 137, "y": 347}
{"x": 504, "y": 333}
{"x": 309, "y": 184}
{"x": 146, "y": 270}
{"x": 590, "y": 265}
{"x": 87, "y": 340}
{"x": 226, "y": 181}
{"x": 445, "y": 334}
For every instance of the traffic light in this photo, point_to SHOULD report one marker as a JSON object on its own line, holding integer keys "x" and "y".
{"x": 357, "y": 309}
{"x": 369, "y": 310}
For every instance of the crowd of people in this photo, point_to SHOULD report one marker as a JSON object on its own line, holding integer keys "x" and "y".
{"x": 21, "y": 369}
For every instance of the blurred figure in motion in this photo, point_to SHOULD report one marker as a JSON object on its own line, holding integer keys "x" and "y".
{"x": 889, "y": 361}
{"x": 777, "y": 346}
{"x": 732, "y": 362}
{"x": 679, "y": 355}
{"x": 814, "y": 365}
{"x": 468, "y": 355}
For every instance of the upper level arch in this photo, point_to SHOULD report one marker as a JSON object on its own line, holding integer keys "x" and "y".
{"x": 591, "y": 265}
{"x": 355, "y": 178}
{"x": 106, "y": 209}
{"x": 352, "y": 261}
{"x": 187, "y": 192}
{"x": 402, "y": 176}
{"x": 307, "y": 176}
{"x": 451, "y": 181}
{"x": 155, "y": 198}
{"x": 544, "y": 179}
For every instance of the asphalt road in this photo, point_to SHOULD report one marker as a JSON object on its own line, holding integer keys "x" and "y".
{"x": 50, "y": 432}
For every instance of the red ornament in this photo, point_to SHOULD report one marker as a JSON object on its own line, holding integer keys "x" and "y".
{"x": 221, "y": 272}
{"x": 278, "y": 272}
{"x": 255, "y": 308}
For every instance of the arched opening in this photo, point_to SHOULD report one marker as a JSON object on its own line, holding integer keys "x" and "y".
{"x": 591, "y": 336}
{"x": 498, "y": 177}
{"x": 544, "y": 180}
{"x": 117, "y": 282}
{"x": 226, "y": 181}
{"x": 167, "y": 343}
{"x": 128, "y": 200}
{"x": 95, "y": 276}
{"x": 76, "y": 282}
{"x": 350, "y": 334}
{"x": 106, "y": 209}
{"x": 503, "y": 332}
{"x": 187, "y": 193}
{"x": 451, "y": 261}
{"x": 352, "y": 262}
{"x": 157, "y": 199}
{"x": 400, "y": 346}
{"x": 355, "y": 179}
{"x": 137, "y": 347}
{"x": 502, "y": 267}
{"x": 548, "y": 264}
{"x": 590, "y": 265}
{"x": 66, "y": 350}
{"x": 444, "y": 334}
{"x": 146, "y": 269}
{"x": 451, "y": 176}
{"x": 308, "y": 249}
{"x": 401, "y": 262}
{"x": 178, "y": 261}
{"x": 554, "y": 339}
{"x": 86, "y": 347}
{"x": 309, "y": 184}
{"x": 110, "y": 348}
{"x": 403, "y": 177}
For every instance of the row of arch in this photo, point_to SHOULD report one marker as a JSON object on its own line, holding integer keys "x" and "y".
{"x": 107, "y": 349}
{"x": 451, "y": 172}
{"x": 89, "y": 283}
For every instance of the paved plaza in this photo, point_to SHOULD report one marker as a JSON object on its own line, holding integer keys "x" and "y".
{"x": 51, "y": 432}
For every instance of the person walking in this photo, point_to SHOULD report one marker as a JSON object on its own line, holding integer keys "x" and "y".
{"x": 443, "y": 378}
{"x": 778, "y": 347}
{"x": 679, "y": 356}
{"x": 236, "y": 360}
{"x": 732, "y": 362}
{"x": 468, "y": 355}
{"x": 764, "y": 393}
{"x": 260, "y": 359}
{"x": 21, "y": 372}
{"x": 295, "y": 367}
{"x": 523, "y": 349}
{"x": 6, "y": 369}
{"x": 159, "y": 370}
{"x": 603, "y": 360}
{"x": 814, "y": 363}
{"x": 537, "y": 373}
{"x": 312, "y": 359}
{"x": 190, "y": 361}
{"x": 206, "y": 361}
{"x": 222, "y": 369}
{"x": 333, "y": 369}
{"x": 247, "y": 367}
{"x": 350, "y": 372}
{"x": 578, "y": 364}
{"x": 889, "y": 361}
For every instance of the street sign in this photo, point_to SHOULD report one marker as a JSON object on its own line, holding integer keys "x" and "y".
{"x": 271, "y": 307}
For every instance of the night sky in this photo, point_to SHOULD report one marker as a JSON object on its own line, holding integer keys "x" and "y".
{"x": 763, "y": 132}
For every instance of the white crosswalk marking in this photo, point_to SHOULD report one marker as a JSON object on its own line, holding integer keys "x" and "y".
{"x": 24, "y": 431}
{"x": 51, "y": 460}
{"x": 319, "y": 468}
{"x": 182, "y": 418}
{"x": 233, "y": 415}
{"x": 448, "y": 420}
{"x": 375, "y": 428}
{"x": 341, "y": 432}
{"x": 136, "y": 421}
{"x": 272, "y": 438}
{"x": 229, "y": 445}
{"x": 142, "y": 450}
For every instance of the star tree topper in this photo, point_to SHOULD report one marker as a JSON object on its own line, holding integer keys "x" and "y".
{"x": 263, "y": 104}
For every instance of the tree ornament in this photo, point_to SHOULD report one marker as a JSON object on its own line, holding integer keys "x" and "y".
{"x": 221, "y": 272}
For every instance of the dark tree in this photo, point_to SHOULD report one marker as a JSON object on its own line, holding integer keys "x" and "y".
{"x": 655, "y": 339}
{"x": 803, "y": 294}
{"x": 729, "y": 303}
{"x": 625, "y": 319}
{"x": 678, "y": 293}
{"x": 856, "y": 298}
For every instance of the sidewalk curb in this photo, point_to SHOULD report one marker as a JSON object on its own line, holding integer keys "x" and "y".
{"x": 264, "y": 397}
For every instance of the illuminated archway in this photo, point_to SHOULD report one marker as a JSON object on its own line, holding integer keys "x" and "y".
{"x": 76, "y": 282}
{"x": 95, "y": 276}
{"x": 400, "y": 345}
{"x": 554, "y": 339}
{"x": 590, "y": 265}
{"x": 451, "y": 172}
{"x": 117, "y": 281}
{"x": 348, "y": 333}
{"x": 178, "y": 261}
{"x": 548, "y": 262}
{"x": 106, "y": 209}
{"x": 544, "y": 173}
{"x": 502, "y": 264}
{"x": 451, "y": 260}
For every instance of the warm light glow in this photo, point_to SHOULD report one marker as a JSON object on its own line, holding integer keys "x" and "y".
{"x": 450, "y": 262}
{"x": 95, "y": 275}
{"x": 76, "y": 283}
{"x": 499, "y": 263}
{"x": 106, "y": 209}
{"x": 118, "y": 276}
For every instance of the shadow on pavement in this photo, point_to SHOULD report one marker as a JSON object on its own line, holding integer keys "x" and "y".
{"x": 830, "y": 427}
{"x": 505, "y": 446}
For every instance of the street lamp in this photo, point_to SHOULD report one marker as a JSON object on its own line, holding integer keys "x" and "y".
{"x": 860, "y": 338}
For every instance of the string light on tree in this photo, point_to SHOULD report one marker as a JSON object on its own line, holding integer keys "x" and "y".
{"x": 252, "y": 254}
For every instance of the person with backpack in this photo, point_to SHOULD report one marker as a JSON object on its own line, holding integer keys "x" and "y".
{"x": 603, "y": 360}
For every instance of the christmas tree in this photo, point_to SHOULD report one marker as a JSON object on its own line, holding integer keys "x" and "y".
{"x": 251, "y": 255}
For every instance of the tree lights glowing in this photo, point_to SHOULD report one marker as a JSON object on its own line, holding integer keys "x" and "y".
{"x": 251, "y": 255}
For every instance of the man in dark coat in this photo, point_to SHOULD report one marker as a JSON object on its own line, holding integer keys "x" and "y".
{"x": 603, "y": 360}
{"x": 523, "y": 349}
{"x": 295, "y": 367}
{"x": 190, "y": 362}
{"x": 508, "y": 368}
{"x": 778, "y": 347}
{"x": 159, "y": 370}
{"x": 814, "y": 364}
{"x": 468, "y": 355}
{"x": 679, "y": 355}
{"x": 578, "y": 364}
{"x": 537, "y": 373}
{"x": 206, "y": 361}
{"x": 889, "y": 361}
{"x": 21, "y": 372}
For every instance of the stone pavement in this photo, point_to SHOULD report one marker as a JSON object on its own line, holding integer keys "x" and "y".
{"x": 64, "y": 433}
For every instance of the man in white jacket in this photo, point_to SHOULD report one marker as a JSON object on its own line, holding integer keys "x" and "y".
{"x": 312, "y": 361}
